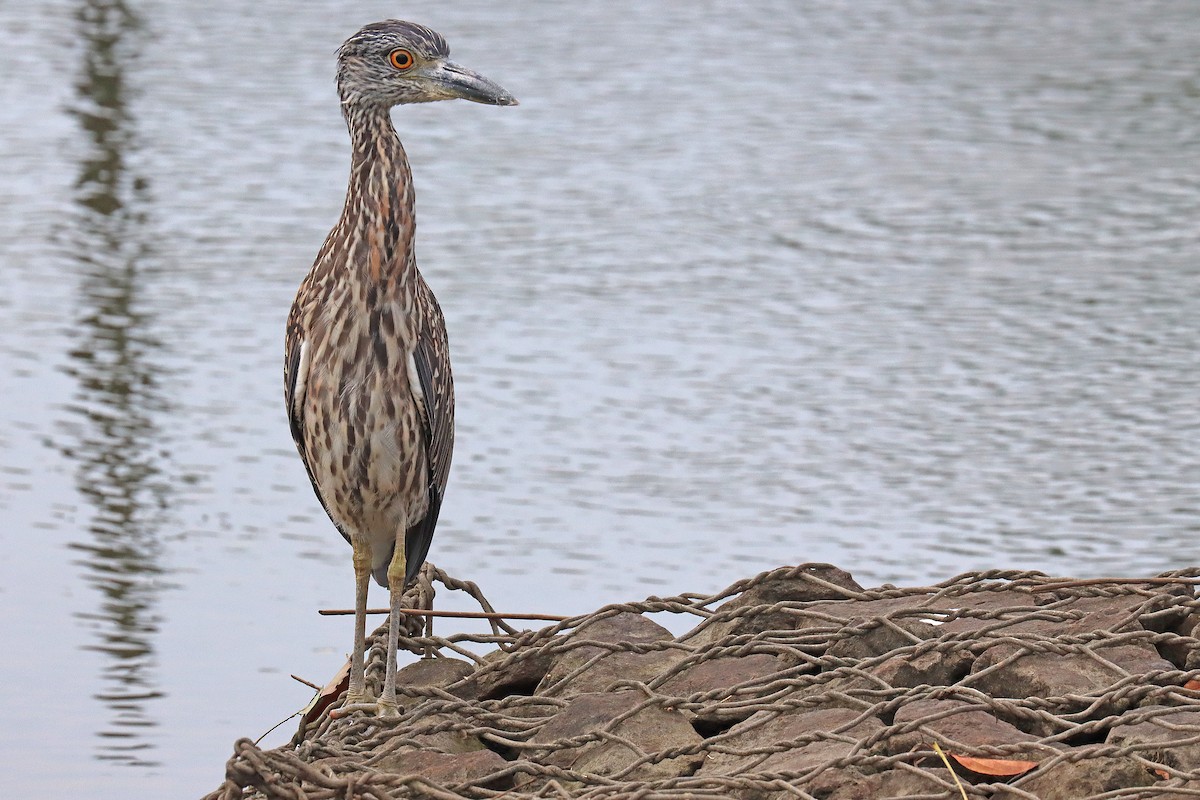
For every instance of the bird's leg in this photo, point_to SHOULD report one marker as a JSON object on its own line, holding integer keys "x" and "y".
{"x": 357, "y": 693}
{"x": 395, "y": 573}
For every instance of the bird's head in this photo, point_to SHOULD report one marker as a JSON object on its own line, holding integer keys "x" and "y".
{"x": 393, "y": 62}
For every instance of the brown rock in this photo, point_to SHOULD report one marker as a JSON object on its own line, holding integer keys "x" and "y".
{"x": 1166, "y": 610}
{"x": 445, "y": 769}
{"x": 958, "y": 726}
{"x": 527, "y": 707}
{"x": 1115, "y": 614}
{"x": 1158, "y": 742}
{"x": 1060, "y": 616}
{"x": 443, "y": 732}
{"x": 504, "y": 674}
{"x": 968, "y": 612}
{"x": 919, "y": 616}
{"x": 623, "y": 627}
{"x": 1166, "y": 794}
{"x": 716, "y": 675}
{"x": 1127, "y": 613}
{"x": 607, "y": 671}
{"x": 851, "y": 784}
{"x": 711, "y": 682}
{"x": 1088, "y": 777}
{"x": 849, "y": 690}
{"x": 612, "y": 664}
{"x": 1038, "y": 674}
{"x": 839, "y": 613}
{"x": 651, "y": 730}
{"x": 1183, "y": 652}
{"x": 868, "y": 637}
{"x": 934, "y": 668}
{"x": 805, "y": 739}
{"x": 439, "y": 672}
{"x": 811, "y": 582}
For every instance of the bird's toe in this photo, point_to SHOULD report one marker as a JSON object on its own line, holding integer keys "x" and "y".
{"x": 362, "y": 705}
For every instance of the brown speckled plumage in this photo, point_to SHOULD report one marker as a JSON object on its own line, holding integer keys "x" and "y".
{"x": 377, "y": 445}
{"x": 367, "y": 378}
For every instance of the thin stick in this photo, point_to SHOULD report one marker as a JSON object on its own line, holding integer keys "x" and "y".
{"x": 418, "y": 612}
{"x": 953, "y": 774}
{"x": 1071, "y": 584}
{"x": 309, "y": 684}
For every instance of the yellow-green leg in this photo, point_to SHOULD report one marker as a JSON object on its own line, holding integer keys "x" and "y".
{"x": 395, "y": 573}
{"x": 357, "y": 693}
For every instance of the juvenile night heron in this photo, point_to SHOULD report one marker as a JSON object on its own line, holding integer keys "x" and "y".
{"x": 367, "y": 368}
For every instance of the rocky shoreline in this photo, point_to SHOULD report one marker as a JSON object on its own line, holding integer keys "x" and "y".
{"x": 796, "y": 683}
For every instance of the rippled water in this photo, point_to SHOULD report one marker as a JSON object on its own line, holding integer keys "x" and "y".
{"x": 908, "y": 287}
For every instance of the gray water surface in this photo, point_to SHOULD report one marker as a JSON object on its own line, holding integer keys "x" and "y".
{"x": 912, "y": 288}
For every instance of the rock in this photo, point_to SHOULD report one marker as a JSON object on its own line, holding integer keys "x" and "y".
{"x": 867, "y": 637}
{"x": 849, "y": 690}
{"x": 1046, "y": 674}
{"x": 651, "y": 729}
{"x": 613, "y": 664}
{"x": 1165, "y": 611}
{"x": 806, "y": 645}
{"x": 608, "y": 670}
{"x": 1009, "y": 669}
{"x": 970, "y": 612}
{"x": 1114, "y": 614}
{"x": 934, "y": 668}
{"x": 1166, "y": 794}
{"x": 439, "y": 672}
{"x": 1088, "y": 777}
{"x": 839, "y": 613}
{"x": 504, "y": 674}
{"x": 443, "y": 732}
{"x": 711, "y": 681}
{"x": 1056, "y": 616}
{"x": 1182, "y": 652}
{"x": 1160, "y": 743}
{"x": 807, "y": 739}
{"x": 717, "y": 675}
{"x": 959, "y": 727}
{"x": 829, "y": 690}
{"x": 851, "y": 784}
{"x": 809, "y": 583}
{"x": 446, "y": 769}
{"x": 526, "y": 707}
{"x": 623, "y": 627}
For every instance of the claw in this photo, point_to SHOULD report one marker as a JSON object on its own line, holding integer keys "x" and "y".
{"x": 370, "y": 708}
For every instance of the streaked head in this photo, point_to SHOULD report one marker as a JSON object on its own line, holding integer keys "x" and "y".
{"x": 392, "y": 62}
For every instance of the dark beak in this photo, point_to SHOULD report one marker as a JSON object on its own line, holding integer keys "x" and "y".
{"x": 461, "y": 82}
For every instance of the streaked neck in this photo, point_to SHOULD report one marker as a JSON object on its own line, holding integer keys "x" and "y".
{"x": 379, "y": 199}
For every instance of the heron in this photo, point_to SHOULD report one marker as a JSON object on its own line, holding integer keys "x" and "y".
{"x": 367, "y": 380}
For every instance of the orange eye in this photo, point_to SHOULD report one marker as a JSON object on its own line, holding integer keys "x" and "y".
{"x": 401, "y": 59}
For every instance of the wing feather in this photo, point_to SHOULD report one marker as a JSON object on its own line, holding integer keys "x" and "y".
{"x": 295, "y": 385}
{"x": 435, "y": 391}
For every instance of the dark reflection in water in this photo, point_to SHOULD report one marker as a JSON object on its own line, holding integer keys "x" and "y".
{"x": 110, "y": 433}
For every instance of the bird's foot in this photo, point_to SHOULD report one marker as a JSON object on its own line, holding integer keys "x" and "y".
{"x": 386, "y": 708}
{"x": 355, "y": 702}
{"x": 362, "y": 705}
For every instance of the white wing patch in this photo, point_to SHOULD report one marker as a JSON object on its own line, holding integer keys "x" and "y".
{"x": 414, "y": 382}
{"x": 300, "y": 381}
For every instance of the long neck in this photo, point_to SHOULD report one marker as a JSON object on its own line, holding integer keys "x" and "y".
{"x": 379, "y": 199}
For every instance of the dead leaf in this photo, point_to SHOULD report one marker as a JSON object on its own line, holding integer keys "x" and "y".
{"x": 994, "y": 767}
{"x": 326, "y": 697}
{"x": 1193, "y": 684}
